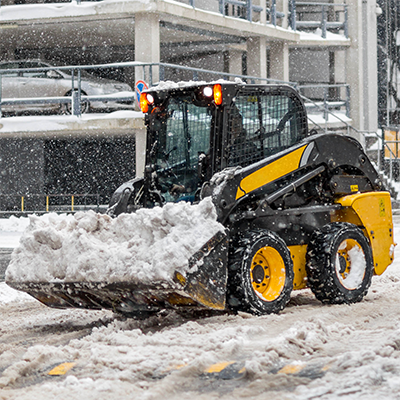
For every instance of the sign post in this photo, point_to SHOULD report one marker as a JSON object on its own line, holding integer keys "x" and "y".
{"x": 139, "y": 87}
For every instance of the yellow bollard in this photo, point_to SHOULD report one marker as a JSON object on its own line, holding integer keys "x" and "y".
{"x": 72, "y": 203}
{"x": 22, "y": 203}
{"x": 47, "y": 203}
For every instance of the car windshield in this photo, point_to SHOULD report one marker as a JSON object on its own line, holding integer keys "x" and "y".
{"x": 180, "y": 133}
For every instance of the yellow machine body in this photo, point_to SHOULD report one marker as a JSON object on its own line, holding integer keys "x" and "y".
{"x": 372, "y": 212}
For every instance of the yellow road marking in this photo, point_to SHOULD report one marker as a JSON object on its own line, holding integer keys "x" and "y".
{"x": 218, "y": 367}
{"x": 62, "y": 369}
{"x": 291, "y": 369}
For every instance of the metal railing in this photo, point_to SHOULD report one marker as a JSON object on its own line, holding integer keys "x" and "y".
{"x": 241, "y": 9}
{"x": 329, "y": 14}
{"x": 326, "y": 16}
{"x": 273, "y": 14}
{"x": 147, "y": 71}
{"x": 330, "y": 95}
{"x": 76, "y": 98}
{"x": 152, "y": 73}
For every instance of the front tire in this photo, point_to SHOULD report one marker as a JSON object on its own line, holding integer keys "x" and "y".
{"x": 339, "y": 263}
{"x": 260, "y": 273}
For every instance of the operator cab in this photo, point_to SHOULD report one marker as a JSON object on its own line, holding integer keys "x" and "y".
{"x": 198, "y": 130}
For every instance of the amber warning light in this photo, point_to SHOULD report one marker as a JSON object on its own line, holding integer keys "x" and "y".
{"x": 217, "y": 89}
{"x": 145, "y": 100}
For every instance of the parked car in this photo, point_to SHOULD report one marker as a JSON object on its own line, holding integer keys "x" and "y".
{"x": 57, "y": 83}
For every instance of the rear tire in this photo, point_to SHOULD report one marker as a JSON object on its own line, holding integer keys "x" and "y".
{"x": 339, "y": 263}
{"x": 260, "y": 273}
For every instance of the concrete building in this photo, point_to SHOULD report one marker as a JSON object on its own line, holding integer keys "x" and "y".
{"x": 314, "y": 43}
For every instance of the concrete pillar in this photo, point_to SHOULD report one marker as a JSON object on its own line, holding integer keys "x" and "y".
{"x": 370, "y": 66}
{"x": 140, "y": 146}
{"x": 262, "y": 16}
{"x": 257, "y": 57}
{"x": 147, "y": 44}
{"x": 354, "y": 67}
{"x": 279, "y": 61}
{"x": 283, "y": 6}
{"x": 235, "y": 61}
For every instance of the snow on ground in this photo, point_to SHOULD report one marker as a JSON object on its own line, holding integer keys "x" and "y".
{"x": 8, "y": 295}
{"x": 308, "y": 351}
{"x": 14, "y": 224}
{"x": 10, "y": 231}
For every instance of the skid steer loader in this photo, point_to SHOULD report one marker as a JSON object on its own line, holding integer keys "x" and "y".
{"x": 299, "y": 209}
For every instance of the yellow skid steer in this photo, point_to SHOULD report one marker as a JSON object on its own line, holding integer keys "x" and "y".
{"x": 298, "y": 209}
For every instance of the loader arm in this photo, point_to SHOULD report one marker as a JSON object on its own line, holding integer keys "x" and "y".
{"x": 331, "y": 165}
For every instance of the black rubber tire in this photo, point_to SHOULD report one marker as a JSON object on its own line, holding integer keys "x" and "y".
{"x": 328, "y": 259}
{"x": 251, "y": 287}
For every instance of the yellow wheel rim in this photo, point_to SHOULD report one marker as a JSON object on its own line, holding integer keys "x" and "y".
{"x": 268, "y": 273}
{"x": 350, "y": 264}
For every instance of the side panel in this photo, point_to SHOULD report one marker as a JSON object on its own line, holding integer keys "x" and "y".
{"x": 373, "y": 212}
{"x": 275, "y": 170}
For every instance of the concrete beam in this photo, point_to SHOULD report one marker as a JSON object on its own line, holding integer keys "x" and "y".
{"x": 88, "y": 126}
{"x": 172, "y": 12}
{"x": 147, "y": 43}
{"x": 316, "y": 42}
{"x": 228, "y": 25}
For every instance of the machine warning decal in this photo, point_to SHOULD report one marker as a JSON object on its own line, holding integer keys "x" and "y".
{"x": 354, "y": 188}
{"x": 382, "y": 208}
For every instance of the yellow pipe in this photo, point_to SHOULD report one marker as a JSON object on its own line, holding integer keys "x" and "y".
{"x": 47, "y": 203}
{"x": 72, "y": 203}
{"x": 22, "y": 203}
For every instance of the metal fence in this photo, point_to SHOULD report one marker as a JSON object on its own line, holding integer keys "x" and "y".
{"x": 76, "y": 98}
{"x": 155, "y": 72}
{"x": 327, "y": 97}
{"x": 44, "y": 203}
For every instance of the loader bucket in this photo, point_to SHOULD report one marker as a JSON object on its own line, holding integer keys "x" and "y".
{"x": 204, "y": 286}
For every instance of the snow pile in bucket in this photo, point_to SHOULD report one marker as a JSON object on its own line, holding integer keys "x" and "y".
{"x": 146, "y": 246}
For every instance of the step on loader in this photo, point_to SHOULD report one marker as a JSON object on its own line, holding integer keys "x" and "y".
{"x": 299, "y": 209}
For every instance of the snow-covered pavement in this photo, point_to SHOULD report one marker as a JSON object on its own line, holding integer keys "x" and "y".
{"x": 308, "y": 351}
